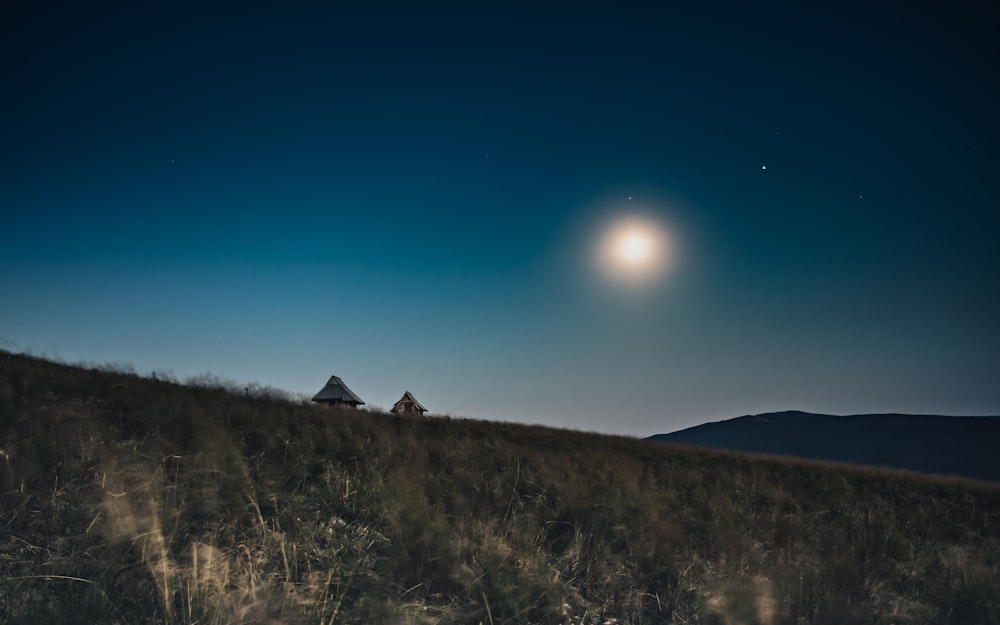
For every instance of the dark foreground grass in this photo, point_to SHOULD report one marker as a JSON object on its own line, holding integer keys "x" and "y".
{"x": 132, "y": 500}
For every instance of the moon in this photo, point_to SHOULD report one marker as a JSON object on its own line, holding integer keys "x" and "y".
{"x": 633, "y": 250}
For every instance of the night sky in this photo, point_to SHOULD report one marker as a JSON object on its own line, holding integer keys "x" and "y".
{"x": 417, "y": 198}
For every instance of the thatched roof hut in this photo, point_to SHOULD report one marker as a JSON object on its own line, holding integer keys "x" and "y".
{"x": 336, "y": 393}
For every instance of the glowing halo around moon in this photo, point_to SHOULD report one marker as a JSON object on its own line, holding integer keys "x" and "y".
{"x": 633, "y": 250}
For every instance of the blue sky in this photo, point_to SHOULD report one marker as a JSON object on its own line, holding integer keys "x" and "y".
{"x": 411, "y": 199}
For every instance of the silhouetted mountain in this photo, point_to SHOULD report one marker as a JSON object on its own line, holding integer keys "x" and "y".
{"x": 960, "y": 446}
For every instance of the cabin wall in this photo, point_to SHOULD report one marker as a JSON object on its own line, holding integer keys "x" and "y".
{"x": 335, "y": 404}
{"x": 407, "y": 409}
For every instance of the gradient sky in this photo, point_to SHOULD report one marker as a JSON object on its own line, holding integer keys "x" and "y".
{"x": 411, "y": 198}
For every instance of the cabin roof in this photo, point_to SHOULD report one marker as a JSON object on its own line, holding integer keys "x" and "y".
{"x": 336, "y": 390}
{"x": 408, "y": 397}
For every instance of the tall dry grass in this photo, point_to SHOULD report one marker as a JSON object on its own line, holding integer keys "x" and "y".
{"x": 130, "y": 500}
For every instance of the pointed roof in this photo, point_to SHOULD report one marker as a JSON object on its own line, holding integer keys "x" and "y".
{"x": 409, "y": 398}
{"x": 335, "y": 390}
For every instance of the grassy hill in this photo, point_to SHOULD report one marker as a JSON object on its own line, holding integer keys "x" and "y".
{"x": 132, "y": 500}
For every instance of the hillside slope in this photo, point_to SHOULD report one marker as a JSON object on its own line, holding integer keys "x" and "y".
{"x": 959, "y": 446}
{"x": 129, "y": 500}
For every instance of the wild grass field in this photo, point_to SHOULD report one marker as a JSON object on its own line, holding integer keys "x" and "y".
{"x": 127, "y": 500}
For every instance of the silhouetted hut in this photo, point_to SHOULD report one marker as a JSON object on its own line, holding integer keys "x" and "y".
{"x": 408, "y": 406}
{"x": 336, "y": 393}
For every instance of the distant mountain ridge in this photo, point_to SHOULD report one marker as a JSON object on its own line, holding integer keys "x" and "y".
{"x": 958, "y": 446}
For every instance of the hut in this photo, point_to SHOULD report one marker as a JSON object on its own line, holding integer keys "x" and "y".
{"x": 408, "y": 406}
{"x": 336, "y": 393}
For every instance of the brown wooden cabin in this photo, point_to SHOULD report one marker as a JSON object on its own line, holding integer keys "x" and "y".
{"x": 408, "y": 406}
